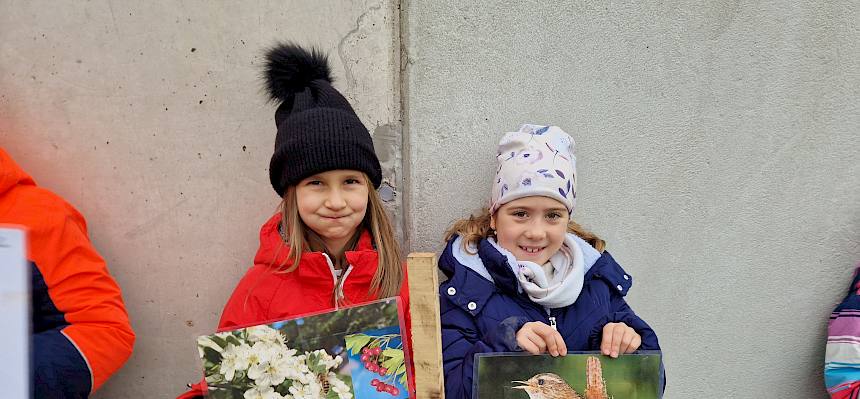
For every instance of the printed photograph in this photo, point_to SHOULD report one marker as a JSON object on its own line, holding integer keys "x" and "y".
{"x": 575, "y": 376}
{"x": 327, "y": 356}
{"x": 381, "y": 365}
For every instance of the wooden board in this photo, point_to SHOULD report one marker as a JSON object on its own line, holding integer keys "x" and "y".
{"x": 426, "y": 327}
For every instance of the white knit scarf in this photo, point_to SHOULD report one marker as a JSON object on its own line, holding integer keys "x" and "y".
{"x": 563, "y": 288}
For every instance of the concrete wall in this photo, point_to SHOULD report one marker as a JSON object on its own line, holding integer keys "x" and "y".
{"x": 717, "y": 148}
{"x": 150, "y": 119}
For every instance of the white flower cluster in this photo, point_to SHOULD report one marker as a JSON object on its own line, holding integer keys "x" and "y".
{"x": 264, "y": 367}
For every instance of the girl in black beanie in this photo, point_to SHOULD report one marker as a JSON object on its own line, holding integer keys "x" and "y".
{"x": 331, "y": 243}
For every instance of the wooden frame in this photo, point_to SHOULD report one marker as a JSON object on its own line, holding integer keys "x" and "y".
{"x": 426, "y": 326}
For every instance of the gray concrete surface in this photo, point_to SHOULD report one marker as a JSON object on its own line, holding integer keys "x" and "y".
{"x": 717, "y": 148}
{"x": 150, "y": 119}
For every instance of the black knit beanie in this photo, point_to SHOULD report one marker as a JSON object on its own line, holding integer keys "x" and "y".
{"x": 317, "y": 128}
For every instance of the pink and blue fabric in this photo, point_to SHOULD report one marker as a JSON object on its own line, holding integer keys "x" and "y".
{"x": 842, "y": 357}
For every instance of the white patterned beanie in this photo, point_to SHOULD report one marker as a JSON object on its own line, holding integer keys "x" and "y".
{"x": 536, "y": 160}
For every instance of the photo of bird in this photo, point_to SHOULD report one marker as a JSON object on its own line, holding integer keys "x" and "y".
{"x": 551, "y": 386}
{"x": 547, "y": 386}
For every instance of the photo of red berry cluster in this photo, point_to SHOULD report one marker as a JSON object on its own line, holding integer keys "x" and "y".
{"x": 379, "y": 364}
{"x": 371, "y": 360}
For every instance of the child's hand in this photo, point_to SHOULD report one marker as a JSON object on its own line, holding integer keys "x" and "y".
{"x": 536, "y": 338}
{"x": 618, "y": 338}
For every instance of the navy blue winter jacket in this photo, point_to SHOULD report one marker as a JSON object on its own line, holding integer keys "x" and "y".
{"x": 480, "y": 316}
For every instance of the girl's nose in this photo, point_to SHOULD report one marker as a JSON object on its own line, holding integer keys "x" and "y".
{"x": 535, "y": 232}
{"x": 335, "y": 200}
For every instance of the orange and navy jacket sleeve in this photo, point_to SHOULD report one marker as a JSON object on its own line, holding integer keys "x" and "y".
{"x": 80, "y": 305}
{"x": 80, "y": 328}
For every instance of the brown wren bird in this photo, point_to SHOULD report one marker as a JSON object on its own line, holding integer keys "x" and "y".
{"x": 551, "y": 386}
{"x": 547, "y": 386}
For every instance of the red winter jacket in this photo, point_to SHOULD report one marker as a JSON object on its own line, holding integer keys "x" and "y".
{"x": 266, "y": 296}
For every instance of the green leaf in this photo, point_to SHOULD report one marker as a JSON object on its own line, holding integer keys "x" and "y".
{"x": 402, "y": 379}
{"x": 284, "y": 388}
{"x": 357, "y": 341}
{"x": 392, "y": 364}
{"x": 394, "y": 358}
{"x": 218, "y": 340}
{"x": 393, "y": 353}
{"x": 232, "y": 339}
{"x": 211, "y": 355}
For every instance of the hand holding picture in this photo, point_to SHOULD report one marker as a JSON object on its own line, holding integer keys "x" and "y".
{"x": 536, "y": 337}
{"x": 619, "y": 338}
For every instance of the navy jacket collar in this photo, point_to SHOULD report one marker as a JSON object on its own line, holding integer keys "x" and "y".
{"x": 610, "y": 272}
{"x": 470, "y": 287}
{"x": 497, "y": 264}
{"x": 464, "y": 286}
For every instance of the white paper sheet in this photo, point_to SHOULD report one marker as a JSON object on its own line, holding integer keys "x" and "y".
{"x": 14, "y": 314}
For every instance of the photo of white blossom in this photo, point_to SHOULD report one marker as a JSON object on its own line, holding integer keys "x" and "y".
{"x": 305, "y": 357}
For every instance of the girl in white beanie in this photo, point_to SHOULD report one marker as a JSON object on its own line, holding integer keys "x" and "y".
{"x": 523, "y": 276}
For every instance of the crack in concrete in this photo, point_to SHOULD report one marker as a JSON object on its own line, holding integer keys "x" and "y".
{"x": 350, "y": 78}
{"x": 153, "y": 221}
{"x": 113, "y": 18}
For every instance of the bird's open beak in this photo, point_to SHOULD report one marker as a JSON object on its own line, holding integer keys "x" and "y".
{"x": 523, "y": 386}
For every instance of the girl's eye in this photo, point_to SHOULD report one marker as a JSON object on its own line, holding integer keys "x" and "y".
{"x": 520, "y": 214}
{"x": 352, "y": 181}
{"x": 553, "y": 216}
{"x": 314, "y": 183}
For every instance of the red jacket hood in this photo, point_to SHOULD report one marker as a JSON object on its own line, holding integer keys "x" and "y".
{"x": 11, "y": 175}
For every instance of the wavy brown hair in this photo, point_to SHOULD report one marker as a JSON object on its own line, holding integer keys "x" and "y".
{"x": 474, "y": 228}
{"x": 298, "y": 238}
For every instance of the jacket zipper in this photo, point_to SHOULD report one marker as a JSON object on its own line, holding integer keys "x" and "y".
{"x": 551, "y": 319}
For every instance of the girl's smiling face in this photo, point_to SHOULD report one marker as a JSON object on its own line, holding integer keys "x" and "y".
{"x": 531, "y": 228}
{"x": 333, "y": 204}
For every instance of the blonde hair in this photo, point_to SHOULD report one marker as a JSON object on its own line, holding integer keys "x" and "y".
{"x": 298, "y": 238}
{"x": 475, "y": 228}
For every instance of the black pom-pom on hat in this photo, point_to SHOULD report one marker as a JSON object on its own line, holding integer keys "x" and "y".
{"x": 318, "y": 130}
{"x": 290, "y": 69}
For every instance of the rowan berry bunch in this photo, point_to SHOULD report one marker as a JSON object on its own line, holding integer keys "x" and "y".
{"x": 371, "y": 359}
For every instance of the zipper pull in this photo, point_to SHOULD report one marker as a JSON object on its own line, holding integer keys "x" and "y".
{"x": 552, "y": 323}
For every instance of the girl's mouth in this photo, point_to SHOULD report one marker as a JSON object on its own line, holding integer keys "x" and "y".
{"x": 531, "y": 250}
